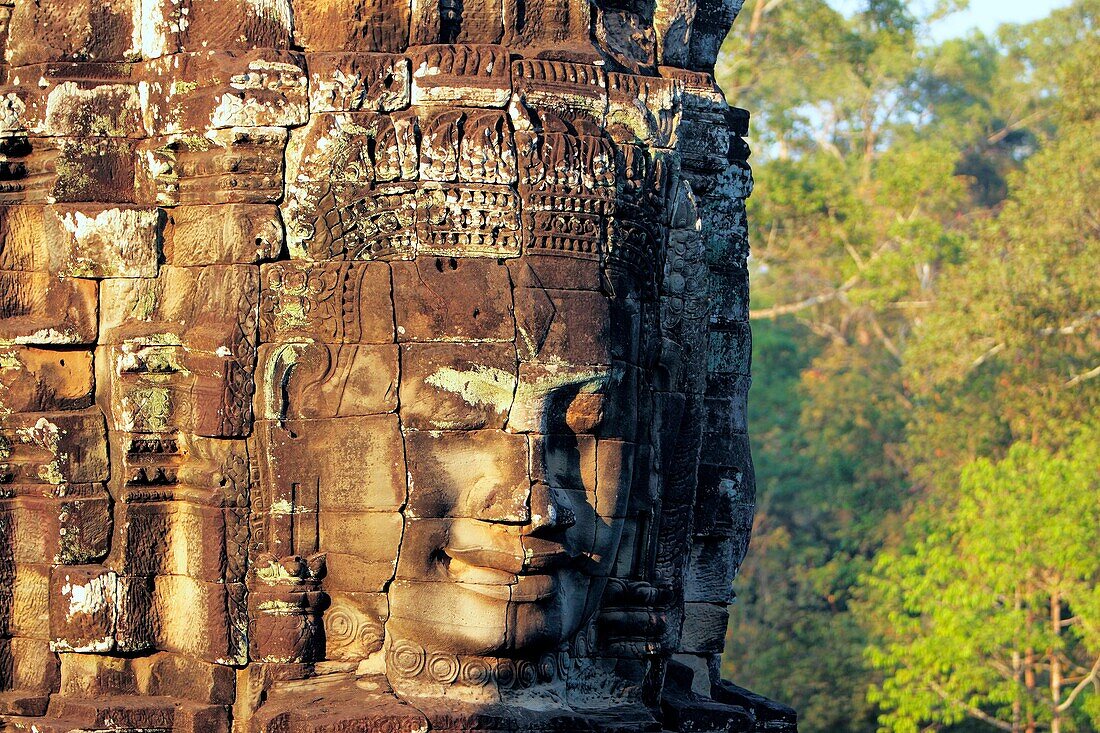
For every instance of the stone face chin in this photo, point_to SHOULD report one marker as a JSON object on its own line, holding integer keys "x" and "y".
{"x": 371, "y": 366}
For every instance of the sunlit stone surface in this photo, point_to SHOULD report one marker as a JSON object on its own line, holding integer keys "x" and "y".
{"x": 368, "y": 366}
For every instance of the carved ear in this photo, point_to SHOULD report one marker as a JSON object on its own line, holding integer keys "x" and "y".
{"x": 709, "y": 27}
{"x": 665, "y": 369}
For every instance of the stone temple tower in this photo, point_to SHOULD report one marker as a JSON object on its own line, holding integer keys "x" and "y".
{"x": 371, "y": 365}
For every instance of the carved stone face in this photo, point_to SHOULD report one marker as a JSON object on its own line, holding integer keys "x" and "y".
{"x": 519, "y": 452}
{"x": 475, "y": 435}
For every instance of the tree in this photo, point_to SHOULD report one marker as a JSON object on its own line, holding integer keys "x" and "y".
{"x": 993, "y": 612}
{"x": 855, "y": 213}
{"x": 987, "y": 609}
{"x": 917, "y": 302}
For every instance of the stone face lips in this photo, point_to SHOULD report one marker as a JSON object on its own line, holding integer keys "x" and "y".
{"x": 370, "y": 365}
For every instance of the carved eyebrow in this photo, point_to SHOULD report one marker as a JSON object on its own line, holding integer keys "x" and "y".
{"x": 588, "y": 381}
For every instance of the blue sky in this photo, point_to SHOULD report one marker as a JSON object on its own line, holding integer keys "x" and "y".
{"x": 985, "y": 15}
{"x": 988, "y": 14}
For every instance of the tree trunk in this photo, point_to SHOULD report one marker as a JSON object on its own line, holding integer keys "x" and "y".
{"x": 1017, "y": 672}
{"x": 1029, "y": 685}
{"x": 1055, "y": 662}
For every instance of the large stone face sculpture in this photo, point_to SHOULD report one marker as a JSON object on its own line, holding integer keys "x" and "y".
{"x": 371, "y": 366}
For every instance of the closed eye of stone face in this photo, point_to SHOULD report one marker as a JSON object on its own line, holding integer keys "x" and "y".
{"x": 478, "y": 386}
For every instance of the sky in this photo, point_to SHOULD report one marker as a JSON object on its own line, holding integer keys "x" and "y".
{"x": 985, "y": 15}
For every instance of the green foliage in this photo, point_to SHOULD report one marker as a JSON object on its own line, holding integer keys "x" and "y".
{"x": 990, "y": 597}
{"x": 925, "y": 235}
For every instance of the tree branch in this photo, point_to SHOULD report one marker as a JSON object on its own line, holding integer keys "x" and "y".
{"x": 1094, "y": 372}
{"x": 788, "y": 308}
{"x": 1093, "y": 673}
{"x": 990, "y": 353}
{"x": 1072, "y": 326}
{"x": 1004, "y": 131}
{"x": 970, "y": 709}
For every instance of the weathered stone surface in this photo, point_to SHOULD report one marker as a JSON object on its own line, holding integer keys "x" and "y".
{"x": 40, "y": 308}
{"x": 448, "y": 299}
{"x": 449, "y": 386}
{"x": 329, "y": 302}
{"x": 44, "y": 380}
{"x": 54, "y": 448}
{"x": 339, "y": 483}
{"x": 371, "y": 365}
{"x": 226, "y": 234}
{"x": 480, "y": 474}
{"x": 69, "y": 530}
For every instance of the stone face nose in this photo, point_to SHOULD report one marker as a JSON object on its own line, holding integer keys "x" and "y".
{"x": 548, "y": 511}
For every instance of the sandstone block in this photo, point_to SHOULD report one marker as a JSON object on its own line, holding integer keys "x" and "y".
{"x": 68, "y": 531}
{"x": 614, "y": 476}
{"x": 360, "y": 549}
{"x": 330, "y": 302}
{"x": 315, "y": 380}
{"x": 550, "y": 83}
{"x": 154, "y": 388}
{"x": 72, "y": 170}
{"x": 353, "y": 624}
{"x": 647, "y": 108}
{"x": 478, "y": 474}
{"x": 704, "y": 630}
{"x": 179, "y": 675}
{"x": 195, "y": 25}
{"x": 347, "y": 25}
{"x": 462, "y": 75}
{"x": 726, "y": 406}
{"x": 44, "y": 380}
{"x": 573, "y": 326}
{"x": 441, "y": 299}
{"x": 21, "y": 229}
{"x": 454, "y": 610}
{"x": 289, "y": 450}
{"x": 554, "y": 398}
{"x": 346, "y": 82}
{"x": 366, "y": 539}
{"x": 224, "y": 166}
{"x": 208, "y": 632}
{"x": 85, "y": 598}
{"x": 225, "y": 234}
{"x": 29, "y": 610}
{"x": 711, "y": 571}
{"x": 55, "y": 447}
{"x": 86, "y": 108}
{"x": 96, "y": 675}
{"x": 34, "y": 669}
{"x": 546, "y": 270}
{"x": 564, "y": 461}
{"x": 729, "y": 292}
{"x": 730, "y": 351}
{"x": 457, "y": 386}
{"x": 230, "y": 90}
{"x": 39, "y": 308}
{"x": 56, "y": 30}
{"x": 96, "y": 241}
{"x": 170, "y": 538}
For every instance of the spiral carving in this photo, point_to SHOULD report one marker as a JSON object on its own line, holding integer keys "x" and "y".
{"x": 341, "y": 626}
{"x": 475, "y": 672}
{"x": 443, "y": 668}
{"x": 408, "y": 658}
